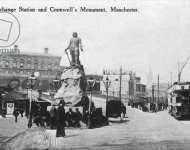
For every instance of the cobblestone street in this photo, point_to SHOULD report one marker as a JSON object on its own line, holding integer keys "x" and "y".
{"x": 9, "y": 129}
{"x": 141, "y": 130}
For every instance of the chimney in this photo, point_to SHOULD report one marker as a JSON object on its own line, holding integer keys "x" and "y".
{"x": 16, "y": 49}
{"x": 46, "y": 50}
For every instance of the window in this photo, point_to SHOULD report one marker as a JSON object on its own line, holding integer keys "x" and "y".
{"x": 49, "y": 66}
{"x": 42, "y": 66}
{"x": 21, "y": 63}
{"x": 6, "y": 63}
{"x": 29, "y": 64}
{"x": 14, "y": 64}
{"x": 35, "y": 63}
{"x": 18, "y": 65}
{"x": 143, "y": 88}
{"x": 1, "y": 63}
{"x": 138, "y": 87}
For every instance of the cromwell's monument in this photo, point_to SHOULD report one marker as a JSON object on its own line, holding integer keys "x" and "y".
{"x": 74, "y": 47}
{"x": 73, "y": 80}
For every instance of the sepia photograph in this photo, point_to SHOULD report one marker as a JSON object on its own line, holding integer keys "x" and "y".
{"x": 95, "y": 75}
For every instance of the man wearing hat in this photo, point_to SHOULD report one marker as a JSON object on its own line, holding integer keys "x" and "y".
{"x": 60, "y": 118}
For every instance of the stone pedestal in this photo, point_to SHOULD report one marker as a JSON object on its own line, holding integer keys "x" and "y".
{"x": 73, "y": 85}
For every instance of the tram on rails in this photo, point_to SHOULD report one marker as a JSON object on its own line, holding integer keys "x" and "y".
{"x": 179, "y": 100}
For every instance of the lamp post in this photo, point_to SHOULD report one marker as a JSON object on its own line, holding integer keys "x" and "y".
{"x": 31, "y": 81}
{"x": 107, "y": 85}
{"x": 91, "y": 84}
{"x": 55, "y": 84}
{"x": 53, "y": 88}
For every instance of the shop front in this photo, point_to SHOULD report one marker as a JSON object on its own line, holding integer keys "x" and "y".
{"x": 13, "y": 100}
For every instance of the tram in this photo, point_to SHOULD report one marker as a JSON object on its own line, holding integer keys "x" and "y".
{"x": 179, "y": 100}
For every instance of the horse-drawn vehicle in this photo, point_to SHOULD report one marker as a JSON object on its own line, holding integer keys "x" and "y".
{"x": 116, "y": 108}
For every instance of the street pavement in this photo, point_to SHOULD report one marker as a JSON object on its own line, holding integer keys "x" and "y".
{"x": 141, "y": 130}
{"x": 9, "y": 129}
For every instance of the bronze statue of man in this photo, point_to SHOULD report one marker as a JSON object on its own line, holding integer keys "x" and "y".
{"x": 74, "y": 47}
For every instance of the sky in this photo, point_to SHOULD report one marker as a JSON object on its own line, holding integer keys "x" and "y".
{"x": 154, "y": 39}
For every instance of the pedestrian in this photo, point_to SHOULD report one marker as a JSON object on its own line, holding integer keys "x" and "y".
{"x": 21, "y": 112}
{"x": 70, "y": 117}
{"x": 123, "y": 110}
{"x": 60, "y": 117}
{"x": 16, "y": 113}
{"x": 78, "y": 117}
{"x": 52, "y": 113}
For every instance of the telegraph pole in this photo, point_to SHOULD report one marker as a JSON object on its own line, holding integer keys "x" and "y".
{"x": 171, "y": 78}
{"x": 153, "y": 92}
{"x": 120, "y": 79}
{"x": 158, "y": 92}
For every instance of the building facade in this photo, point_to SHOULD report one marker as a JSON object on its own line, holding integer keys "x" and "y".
{"x": 128, "y": 83}
{"x": 114, "y": 88}
{"x": 18, "y": 65}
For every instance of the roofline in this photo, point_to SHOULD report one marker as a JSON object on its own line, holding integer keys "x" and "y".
{"x": 31, "y": 54}
{"x": 181, "y": 83}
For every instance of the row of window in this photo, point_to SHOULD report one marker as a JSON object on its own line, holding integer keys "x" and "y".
{"x": 26, "y": 72}
{"x": 21, "y": 65}
{"x": 29, "y": 61}
{"x": 140, "y": 88}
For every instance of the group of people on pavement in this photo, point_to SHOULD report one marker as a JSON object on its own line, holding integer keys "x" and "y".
{"x": 149, "y": 107}
{"x": 43, "y": 118}
{"x": 56, "y": 117}
{"x": 59, "y": 119}
{"x": 18, "y": 112}
{"x": 72, "y": 118}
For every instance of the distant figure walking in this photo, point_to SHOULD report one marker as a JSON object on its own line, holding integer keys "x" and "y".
{"x": 75, "y": 46}
{"x": 21, "y": 112}
{"x": 52, "y": 117}
{"x": 16, "y": 113}
{"x": 78, "y": 117}
{"x": 70, "y": 117}
{"x": 60, "y": 117}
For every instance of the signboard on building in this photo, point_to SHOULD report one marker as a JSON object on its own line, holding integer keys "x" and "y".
{"x": 10, "y": 108}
